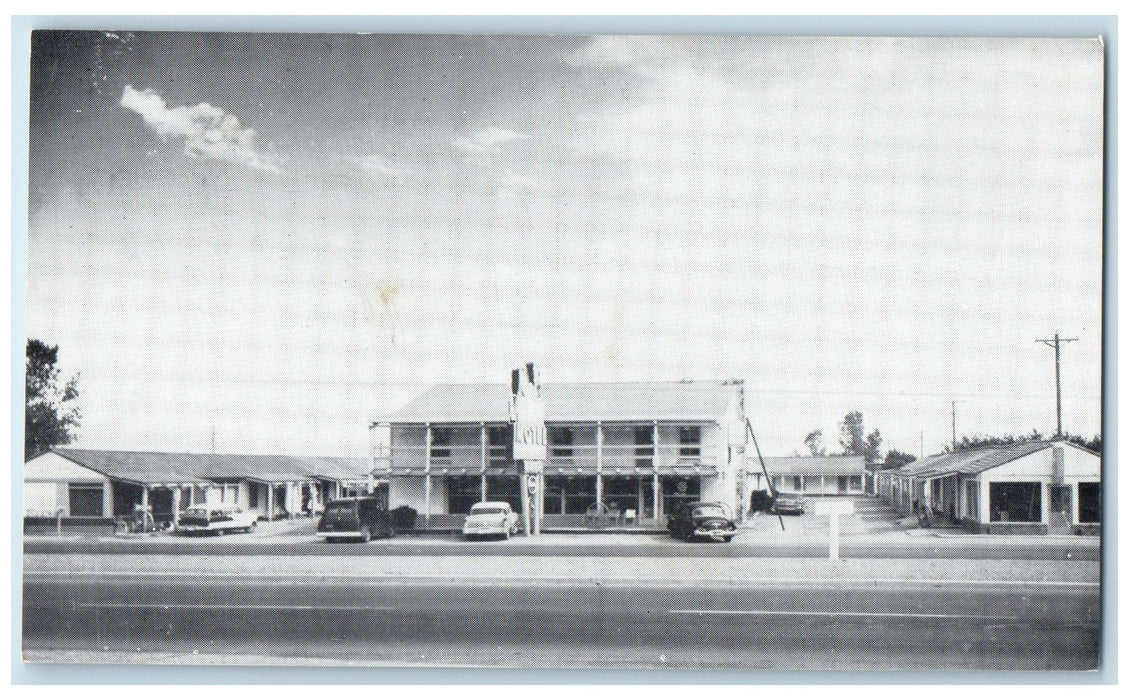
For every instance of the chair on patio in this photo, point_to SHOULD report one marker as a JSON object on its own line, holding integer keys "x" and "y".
{"x": 630, "y": 517}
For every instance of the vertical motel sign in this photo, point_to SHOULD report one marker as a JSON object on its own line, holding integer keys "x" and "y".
{"x": 527, "y": 415}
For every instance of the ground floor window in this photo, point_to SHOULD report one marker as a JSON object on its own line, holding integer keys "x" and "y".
{"x": 972, "y": 499}
{"x": 626, "y": 493}
{"x": 462, "y": 493}
{"x": 569, "y": 495}
{"x": 1018, "y": 501}
{"x": 85, "y": 500}
{"x": 1089, "y": 502}
{"x": 678, "y": 491}
{"x": 504, "y": 488}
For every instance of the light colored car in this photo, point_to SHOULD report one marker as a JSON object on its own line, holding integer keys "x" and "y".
{"x": 217, "y": 519}
{"x": 491, "y": 518}
{"x": 792, "y": 503}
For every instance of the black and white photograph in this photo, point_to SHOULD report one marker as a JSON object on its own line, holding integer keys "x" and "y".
{"x": 563, "y": 351}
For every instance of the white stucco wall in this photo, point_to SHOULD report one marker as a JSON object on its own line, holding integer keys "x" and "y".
{"x": 46, "y": 481}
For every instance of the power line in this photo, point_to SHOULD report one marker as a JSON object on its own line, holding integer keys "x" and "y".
{"x": 1058, "y": 381}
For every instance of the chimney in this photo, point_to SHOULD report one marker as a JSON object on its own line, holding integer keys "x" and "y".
{"x": 1058, "y": 464}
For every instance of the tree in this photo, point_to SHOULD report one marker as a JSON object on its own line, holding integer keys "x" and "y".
{"x": 874, "y": 446}
{"x": 851, "y": 434}
{"x": 976, "y": 441}
{"x": 814, "y": 442}
{"x": 50, "y": 410}
{"x": 896, "y": 459}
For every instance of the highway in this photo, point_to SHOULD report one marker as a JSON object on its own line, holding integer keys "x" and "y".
{"x": 227, "y": 614}
{"x": 653, "y": 546}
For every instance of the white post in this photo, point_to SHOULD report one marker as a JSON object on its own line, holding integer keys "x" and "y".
{"x": 427, "y": 477}
{"x": 834, "y": 553}
{"x": 524, "y": 496}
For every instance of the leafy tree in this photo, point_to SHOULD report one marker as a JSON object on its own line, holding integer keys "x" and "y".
{"x": 851, "y": 434}
{"x": 874, "y": 446}
{"x": 814, "y": 442}
{"x": 50, "y": 411}
{"x": 976, "y": 441}
{"x": 1094, "y": 443}
{"x": 896, "y": 459}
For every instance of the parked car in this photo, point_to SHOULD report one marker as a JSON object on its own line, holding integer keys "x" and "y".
{"x": 216, "y": 519}
{"x": 790, "y": 503}
{"x": 702, "y": 520}
{"x": 359, "y": 518}
{"x": 491, "y": 518}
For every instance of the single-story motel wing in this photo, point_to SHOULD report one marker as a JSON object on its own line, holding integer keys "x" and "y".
{"x": 1037, "y": 487}
{"x": 76, "y": 483}
{"x": 622, "y": 453}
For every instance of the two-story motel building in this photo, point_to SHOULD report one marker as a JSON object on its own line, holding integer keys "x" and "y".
{"x": 630, "y": 449}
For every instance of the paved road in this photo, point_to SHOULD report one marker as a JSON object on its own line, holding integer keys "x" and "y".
{"x": 655, "y": 546}
{"x": 780, "y": 623}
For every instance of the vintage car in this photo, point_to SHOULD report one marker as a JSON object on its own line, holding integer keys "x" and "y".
{"x": 790, "y": 503}
{"x": 702, "y": 520}
{"x": 358, "y": 518}
{"x": 217, "y": 519}
{"x": 491, "y": 518}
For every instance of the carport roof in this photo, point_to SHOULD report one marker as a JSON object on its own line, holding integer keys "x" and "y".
{"x": 580, "y": 402}
{"x": 166, "y": 467}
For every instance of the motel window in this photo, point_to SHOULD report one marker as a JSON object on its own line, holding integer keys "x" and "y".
{"x": 1019, "y": 501}
{"x": 690, "y": 441}
{"x": 798, "y": 483}
{"x": 856, "y": 483}
{"x": 644, "y": 446}
{"x": 253, "y": 495}
{"x": 85, "y": 500}
{"x": 500, "y": 441}
{"x": 1089, "y": 502}
{"x": 440, "y": 443}
{"x": 462, "y": 493}
{"x": 560, "y": 440}
{"x": 844, "y": 483}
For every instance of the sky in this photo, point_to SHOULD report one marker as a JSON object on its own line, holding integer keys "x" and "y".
{"x": 277, "y": 238}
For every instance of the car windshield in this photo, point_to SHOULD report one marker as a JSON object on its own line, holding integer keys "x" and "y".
{"x": 709, "y": 512}
{"x": 487, "y": 510}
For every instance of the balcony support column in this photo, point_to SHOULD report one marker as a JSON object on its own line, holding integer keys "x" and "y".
{"x": 482, "y": 485}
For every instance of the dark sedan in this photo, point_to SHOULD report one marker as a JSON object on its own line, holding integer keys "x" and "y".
{"x": 702, "y": 521}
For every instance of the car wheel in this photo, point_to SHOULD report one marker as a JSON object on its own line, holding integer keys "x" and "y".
{"x": 728, "y": 539}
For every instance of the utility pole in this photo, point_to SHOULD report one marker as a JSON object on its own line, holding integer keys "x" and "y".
{"x": 1058, "y": 381}
{"x": 954, "y": 426}
{"x": 921, "y": 446}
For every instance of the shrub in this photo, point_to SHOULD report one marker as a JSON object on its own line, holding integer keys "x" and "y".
{"x": 404, "y": 517}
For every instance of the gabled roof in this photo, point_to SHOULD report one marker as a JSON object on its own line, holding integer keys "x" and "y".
{"x": 166, "y": 467}
{"x": 623, "y": 401}
{"x": 970, "y": 462}
{"x": 833, "y": 465}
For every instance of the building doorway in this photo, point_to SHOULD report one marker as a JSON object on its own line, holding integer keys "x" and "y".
{"x": 677, "y": 491}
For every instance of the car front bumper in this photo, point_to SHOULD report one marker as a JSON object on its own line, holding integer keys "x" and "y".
{"x": 482, "y": 529}
{"x": 718, "y": 534}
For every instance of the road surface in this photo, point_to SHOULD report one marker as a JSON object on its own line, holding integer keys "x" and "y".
{"x": 227, "y": 610}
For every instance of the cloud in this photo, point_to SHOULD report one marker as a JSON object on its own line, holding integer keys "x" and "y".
{"x": 379, "y": 165}
{"x": 486, "y": 140}
{"x": 207, "y": 131}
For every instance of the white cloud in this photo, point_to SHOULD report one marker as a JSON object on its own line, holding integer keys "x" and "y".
{"x": 379, "y": 165}
{"x": 207, "y": 131}
{"x": 486, "y": 140}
